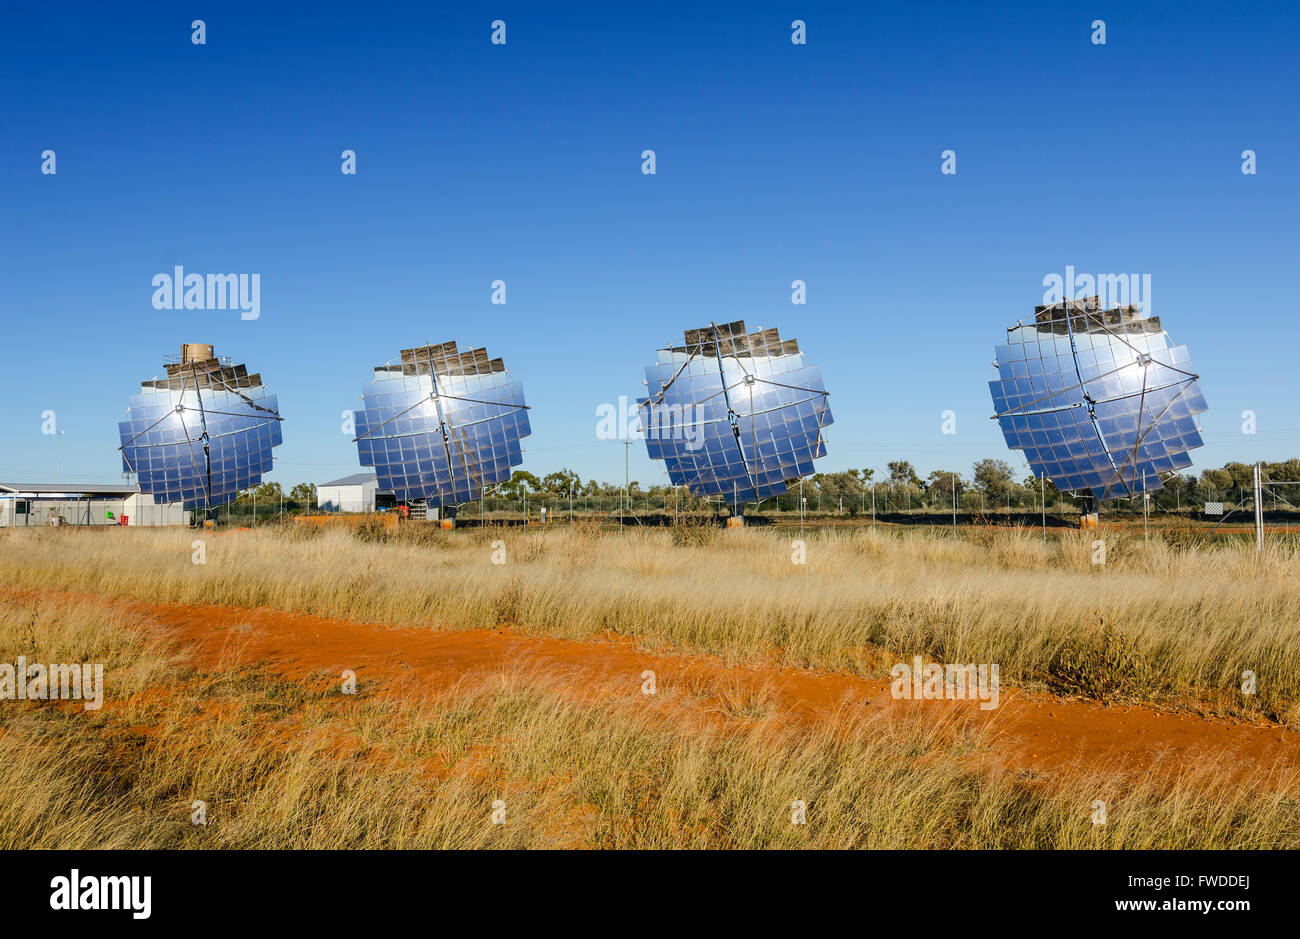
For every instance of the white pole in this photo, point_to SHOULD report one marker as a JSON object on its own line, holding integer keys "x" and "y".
{"x": 1259, "y": 510}
{"x": 1146, "y": 507}
{"x": 1042, "y": 498}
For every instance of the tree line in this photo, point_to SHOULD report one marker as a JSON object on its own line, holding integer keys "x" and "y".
{"x": 993, "y": 478}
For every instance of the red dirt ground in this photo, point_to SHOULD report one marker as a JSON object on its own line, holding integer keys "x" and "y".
{"x": 1033, "y": 732}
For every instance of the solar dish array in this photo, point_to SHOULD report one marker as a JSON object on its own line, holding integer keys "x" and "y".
{"x": 201, "y": 434}
{"x": 442, "y": 425}
{"x": 1097, "y": 399}
{"x": 734, "y": 414}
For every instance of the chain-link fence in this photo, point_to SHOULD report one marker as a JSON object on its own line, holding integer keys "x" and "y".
{"x": 83, "y": 511}
{"x": 1197, "y": 502}
{"x": 1228, "y": 507}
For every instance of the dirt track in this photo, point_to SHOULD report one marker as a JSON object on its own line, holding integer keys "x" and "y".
{"x": 1031, "y": 732}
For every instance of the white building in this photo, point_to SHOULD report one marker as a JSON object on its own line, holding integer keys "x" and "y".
{"x": 355, "y": 493}
{"x": 24, "y": 504}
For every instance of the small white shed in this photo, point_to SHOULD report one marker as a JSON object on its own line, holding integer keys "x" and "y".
{"x": 355, "y": 493}
{"x": 140, "y": 509}
{"x": 26, "y": 504}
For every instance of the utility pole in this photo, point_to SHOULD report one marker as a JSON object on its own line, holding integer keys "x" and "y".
{"x": 1259, "y": 509}
{"x": 1042, "y": 498}
{"x": 59, "y": 477}
{"x": 1146, "y": 509}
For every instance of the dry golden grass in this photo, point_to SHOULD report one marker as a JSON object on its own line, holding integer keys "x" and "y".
{"x": 1189, "y": 620}
{"x": 295, "y": 765}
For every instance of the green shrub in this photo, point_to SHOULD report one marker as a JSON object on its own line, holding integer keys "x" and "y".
{"x": 1104, "y": 665}
{"x": 694, "y": 529}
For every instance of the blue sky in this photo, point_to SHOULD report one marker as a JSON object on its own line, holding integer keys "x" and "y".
{"x": 522, "y": 162}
